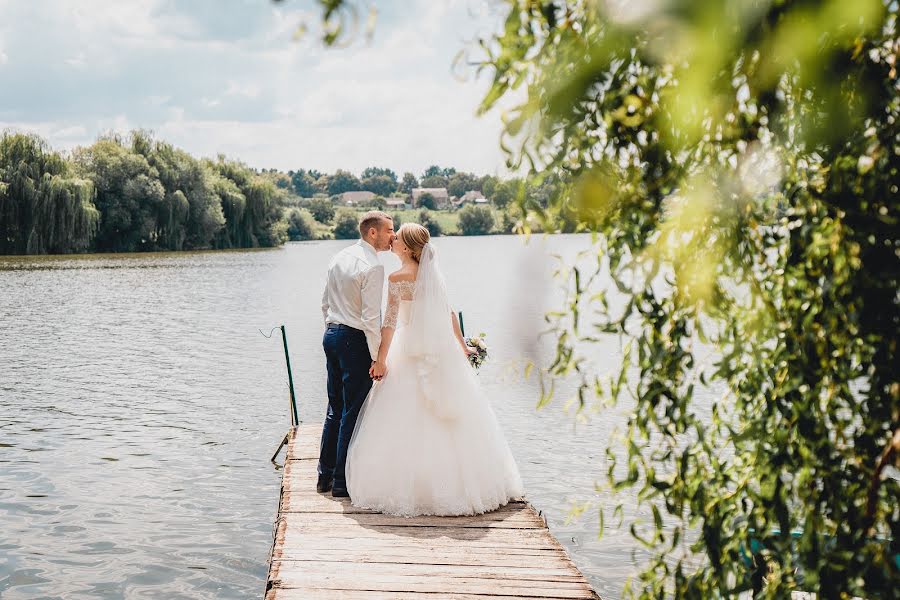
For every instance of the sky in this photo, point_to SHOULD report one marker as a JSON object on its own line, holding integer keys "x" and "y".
{"x": 228, "y": 76}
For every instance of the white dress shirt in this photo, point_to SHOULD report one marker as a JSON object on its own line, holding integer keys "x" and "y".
{"x": 353, "y": 292}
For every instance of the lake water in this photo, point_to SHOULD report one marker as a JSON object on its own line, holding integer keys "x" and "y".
{"x": 139, "y": 406}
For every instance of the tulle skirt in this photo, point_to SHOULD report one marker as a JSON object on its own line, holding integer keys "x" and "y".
{"x": 406, "y": 458}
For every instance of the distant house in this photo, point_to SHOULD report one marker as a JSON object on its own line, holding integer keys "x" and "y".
{"x": 441, "y": 197}
{"x": 397, "y": 202}
{"x": 471, "y": 196}
{"x": 356, "y": 198}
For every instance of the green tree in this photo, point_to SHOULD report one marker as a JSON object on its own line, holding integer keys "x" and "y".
{"x": 129, "y": 196}
{"x": 427, "y": 220}
{"x": 409, "y": 182}
{"x": 380, "y": 172}
{"x": 346, "y": 224}
{"x": 382, "y": 185}
{"x": 303, "y": 183}
{"x": 488, "y": 185}
{"x": 260, "y": 221}
{"x": 301, "y": 225}
{"x": 460, "y": 183}
{"x": 322, "y": 209}
{"x": 185, "y": 179}
{"x": 436, "y": 171}
{"x": 434, "y": 181}
{"x": 736, "y": 167}
{"x": 44, "y": 206}
{"x": 342, "y": 181}
{"x": 476, "y": 220}
{"x": 233, "y": 203}
{"x": 427, "y": 200}
{"x": 505, "y": 192}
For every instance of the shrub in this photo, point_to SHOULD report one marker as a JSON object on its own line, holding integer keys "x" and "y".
{"x": 322, "y": 210}
{"x": 346, "y": 224}
{"x": 476, "y": 220}
{"x": 430, "y": 223}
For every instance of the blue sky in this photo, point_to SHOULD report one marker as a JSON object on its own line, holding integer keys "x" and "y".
{"x": 226, "y": 76}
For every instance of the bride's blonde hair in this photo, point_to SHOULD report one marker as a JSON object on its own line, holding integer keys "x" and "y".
{"x": 415, "y": 237}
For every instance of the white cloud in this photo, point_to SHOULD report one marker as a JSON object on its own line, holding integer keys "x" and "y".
{"x": 248, "y": 90}
{"x": 257, "y": 96}
{"x": 77, "y": 61}
{"x": 158, "y": 100}
{"x": 74, "y": 131}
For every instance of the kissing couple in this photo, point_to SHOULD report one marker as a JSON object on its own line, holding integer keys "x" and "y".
{"x": 408, "y": 430}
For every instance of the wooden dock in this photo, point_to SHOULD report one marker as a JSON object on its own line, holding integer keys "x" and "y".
{"x": 326, "y": 548}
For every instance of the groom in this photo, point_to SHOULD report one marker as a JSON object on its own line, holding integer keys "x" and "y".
{"x": 351, "y": 305}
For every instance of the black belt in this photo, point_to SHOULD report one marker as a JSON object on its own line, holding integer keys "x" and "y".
{"x": 342, "y": 326}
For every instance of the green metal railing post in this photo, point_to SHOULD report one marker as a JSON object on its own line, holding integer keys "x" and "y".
{"x": 295, "y": 420}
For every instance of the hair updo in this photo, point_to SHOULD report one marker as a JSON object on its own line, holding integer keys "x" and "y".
{"x": 414, "y": 236}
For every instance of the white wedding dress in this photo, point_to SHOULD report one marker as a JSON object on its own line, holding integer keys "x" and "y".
{"x": 427, "y": 441}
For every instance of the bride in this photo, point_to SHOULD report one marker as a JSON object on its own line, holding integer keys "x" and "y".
{"x": 427, "y": 441}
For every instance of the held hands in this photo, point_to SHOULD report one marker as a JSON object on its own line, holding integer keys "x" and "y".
{"x": 378, "y": 370}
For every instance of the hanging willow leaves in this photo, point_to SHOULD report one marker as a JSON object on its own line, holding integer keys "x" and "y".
{"x": 44, "y": 206}
{"x": 738, "y": 165}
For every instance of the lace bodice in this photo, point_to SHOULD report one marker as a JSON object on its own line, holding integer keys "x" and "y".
{"x": 399, "y": 292}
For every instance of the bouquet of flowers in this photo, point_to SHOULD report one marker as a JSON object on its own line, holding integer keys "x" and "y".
{"x": 481, "y": 351}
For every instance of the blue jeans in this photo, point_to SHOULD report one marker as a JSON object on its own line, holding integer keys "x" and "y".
{"x": 348, "y": 361}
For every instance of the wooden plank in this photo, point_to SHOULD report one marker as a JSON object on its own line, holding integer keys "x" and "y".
{"x": 439, "y": 585}
{"x": 515, "y": 518}
{"x": 324, "y": 547}
{"x": 479, "y": 557}
{"x": 308, "y": 500}
{"x": 362, "y": 570}
{"x": 319, "y": 594}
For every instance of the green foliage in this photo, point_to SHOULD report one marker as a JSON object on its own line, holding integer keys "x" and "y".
{"x": 301, "y": 225}
{"x": 434, "y": 181}
{"x": 380, "y": 172}
{"x": 429, "y": 222}
{"x": 191, "y": 214}
{"x": 427, "y": 200}
{"x": 322, "y": 209}
{"x": 342, "y": 181}
{"x": 476, "y": 220}
{"x": 130, "y": 197}
{"x": 409, "y": 182}
{"x": 44, "y": 206}
{"x": 376, "y": 203}
{"x": 303, "y": 183}
{"x": 737, "y": 167}
{"x": 259, "y": 221}
{"x": 382, "y": 185}
{"x": 346, "y": 224}
{"x": 505, "y": 192}
{"x": 460, "y": 183}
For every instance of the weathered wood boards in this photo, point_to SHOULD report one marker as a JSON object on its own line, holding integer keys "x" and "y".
{"x": 326, "y": 548}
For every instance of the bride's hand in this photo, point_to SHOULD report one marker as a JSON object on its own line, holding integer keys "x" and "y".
{"x": 378, "y": 371}
{"x": 469, "y": 350}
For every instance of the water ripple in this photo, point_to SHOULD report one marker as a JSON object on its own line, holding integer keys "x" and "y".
{"x": 139, "y": 406}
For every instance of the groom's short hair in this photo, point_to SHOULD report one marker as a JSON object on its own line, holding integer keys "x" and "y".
{"x": 373, "y": 218}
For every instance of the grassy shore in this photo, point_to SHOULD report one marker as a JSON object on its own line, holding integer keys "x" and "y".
{"x": 447, "y": 219}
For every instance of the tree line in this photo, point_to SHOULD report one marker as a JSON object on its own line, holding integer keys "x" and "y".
{"x": 135, "y": 193}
